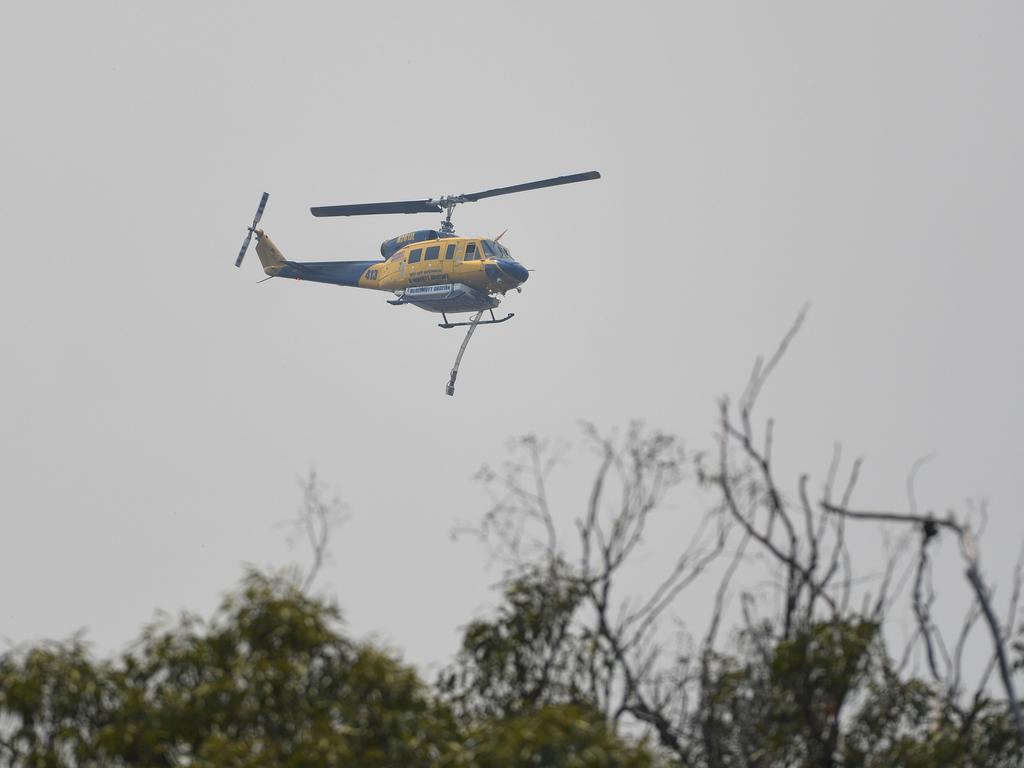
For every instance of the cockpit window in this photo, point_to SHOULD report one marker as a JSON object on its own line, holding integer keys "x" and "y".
{"x": 471, "y": 252}
{"x": 496, "y": 250}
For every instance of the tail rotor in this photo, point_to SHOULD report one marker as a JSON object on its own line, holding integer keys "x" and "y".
{"x": 255, "y": 221}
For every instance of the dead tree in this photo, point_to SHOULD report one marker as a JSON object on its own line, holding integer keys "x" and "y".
{"x": 317, "y": 519}
{"x": 636, "y": 672}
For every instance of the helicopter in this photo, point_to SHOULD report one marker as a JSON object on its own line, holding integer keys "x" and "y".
{"x": 433, "y": 269}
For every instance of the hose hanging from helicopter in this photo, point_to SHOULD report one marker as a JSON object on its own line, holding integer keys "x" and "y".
{"x": 450, "y": 389}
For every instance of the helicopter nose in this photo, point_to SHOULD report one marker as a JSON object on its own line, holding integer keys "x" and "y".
{"x": 515, "y": 270}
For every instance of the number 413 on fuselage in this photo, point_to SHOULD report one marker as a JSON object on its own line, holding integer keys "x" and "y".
{"x": 435, "y": 270}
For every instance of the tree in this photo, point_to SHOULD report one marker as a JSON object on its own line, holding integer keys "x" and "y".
{"x": 566, "y": 736}
{"x": 523, "y": 659}
{"x": 802, "y": 671}
{"x": 796, "y": 665}
{"x": 270, "y": 680}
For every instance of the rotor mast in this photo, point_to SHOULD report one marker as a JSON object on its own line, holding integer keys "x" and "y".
{"x": 448, "y": 204}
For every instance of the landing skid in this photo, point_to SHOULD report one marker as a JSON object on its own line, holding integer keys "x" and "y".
{"x": 492, "y": 321}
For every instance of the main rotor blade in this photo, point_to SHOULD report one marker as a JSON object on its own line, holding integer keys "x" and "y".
{"x": 368, "y": 209}
{"x": 474, "y": 196}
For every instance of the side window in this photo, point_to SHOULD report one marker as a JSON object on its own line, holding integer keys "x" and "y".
{"x": 414, "y": 256}
{"x": 471, "y": 253}
{"x": 432, "y": 253}
{"x": 489, "y": 249}
{"x": 449, "y": 254}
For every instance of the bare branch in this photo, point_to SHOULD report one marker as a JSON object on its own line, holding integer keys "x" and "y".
{"x": 968, "y": 547}
{"x": 761, "y": 372}
{"x": 316, "y": 521}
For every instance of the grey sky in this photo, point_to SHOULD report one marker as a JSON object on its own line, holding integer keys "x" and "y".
{"x": 158, "y": 406}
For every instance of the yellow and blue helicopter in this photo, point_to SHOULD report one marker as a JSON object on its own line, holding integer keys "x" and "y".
{"x": 435, "y": 270}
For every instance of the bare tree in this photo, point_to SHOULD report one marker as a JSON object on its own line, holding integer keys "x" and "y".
{"x": 753, "y": 531}
{"x": 317, "y": 519}
{"x": 930, "y": 527}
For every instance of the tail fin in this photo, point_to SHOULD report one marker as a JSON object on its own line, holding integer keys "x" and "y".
{"x": 270, "y": 255}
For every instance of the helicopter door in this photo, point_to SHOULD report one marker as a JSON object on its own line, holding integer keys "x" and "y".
{"x": 413, "y": 264}
{"x": 466, "y": 262}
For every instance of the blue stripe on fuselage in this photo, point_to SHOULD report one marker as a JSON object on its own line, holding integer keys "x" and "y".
{"x": 334, "y": 272}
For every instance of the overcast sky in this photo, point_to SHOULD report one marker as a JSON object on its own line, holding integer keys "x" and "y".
{"x": 158, "y": 406}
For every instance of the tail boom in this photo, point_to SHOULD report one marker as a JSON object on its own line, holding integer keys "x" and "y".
{"x": 333, "y": 272}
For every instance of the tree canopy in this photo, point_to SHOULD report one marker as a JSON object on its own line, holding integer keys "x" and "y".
{"x": 269, "y": 680}
{"x": 571, "y": 669}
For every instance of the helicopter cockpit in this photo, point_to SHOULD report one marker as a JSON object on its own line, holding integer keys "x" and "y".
{"x": 496, "y": 250}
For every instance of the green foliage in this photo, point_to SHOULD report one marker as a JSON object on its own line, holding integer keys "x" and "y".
{"x": 52, "y": 697}
{"x": 907, "y": 723}
{"x": 525, "y": 657}
{"x": 812, "y": 675}
{"x": 270, "y": 680}
{"x": 829, "y": 696}
{"x": 553, "y": 735}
